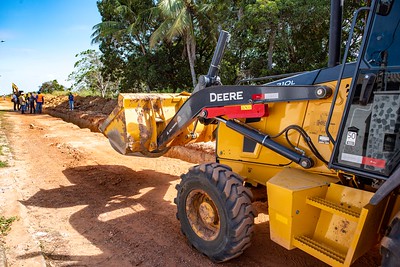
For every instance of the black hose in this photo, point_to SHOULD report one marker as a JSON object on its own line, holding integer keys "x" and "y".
{"x": 306, "y": 138}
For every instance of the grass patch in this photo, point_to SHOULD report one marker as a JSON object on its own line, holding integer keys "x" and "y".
{"x": 5, "y": 224}
{"x": 3, "y": 148}
{"x": 5, "y": 127}
{"x": 3, "y": 164}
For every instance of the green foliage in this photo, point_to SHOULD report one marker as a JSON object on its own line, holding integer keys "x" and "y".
{"x": 161, "y": 70}
{"x": 88, "y": 76}
{"x": 1, "y": 150}
{"x": 51, "y": 86}
{"x": 182, "y": 19}
{"x": 84, "y": 93}
{"x": 60, "y": 93}
{"x": 124, "y": 35}
{"x": 3, "y": 164}
{"x": 5, "y": 224}
{"x": 160, "y": 45}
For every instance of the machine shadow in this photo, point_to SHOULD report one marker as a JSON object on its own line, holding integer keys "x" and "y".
{"x": 121, "y": 214}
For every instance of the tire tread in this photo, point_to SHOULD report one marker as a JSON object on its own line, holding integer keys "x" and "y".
{"x": 237, "y": 200}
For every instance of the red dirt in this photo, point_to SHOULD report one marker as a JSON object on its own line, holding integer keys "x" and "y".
{"x": 80, "y": 203}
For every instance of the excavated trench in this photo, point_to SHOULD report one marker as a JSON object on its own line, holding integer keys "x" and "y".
{"x": 90, "y": 112}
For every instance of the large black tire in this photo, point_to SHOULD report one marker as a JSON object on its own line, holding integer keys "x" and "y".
{"x": 390, "y": 244}
{"x": 215, "y": 212}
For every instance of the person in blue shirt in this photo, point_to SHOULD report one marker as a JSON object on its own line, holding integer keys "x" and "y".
{"x": 32, "y": 99}
{"x": 15, "y": 101}
{"x": 71, "y": 101}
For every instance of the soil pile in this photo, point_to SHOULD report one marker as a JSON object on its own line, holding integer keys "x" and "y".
{"x": 89, "y": 112}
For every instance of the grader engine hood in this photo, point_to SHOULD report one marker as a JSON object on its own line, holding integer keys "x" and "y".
{"x": 137, "y": 120}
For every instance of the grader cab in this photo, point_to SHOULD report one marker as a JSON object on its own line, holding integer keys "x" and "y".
{"x": 324, "y": 143}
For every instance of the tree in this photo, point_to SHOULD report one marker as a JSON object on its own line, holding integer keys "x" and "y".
{"x": 123, "y": 35}
{"x": 276, "y": 36}
{"x": 51, "y": 86}
{"x": 88, "y": 76}
{"x": 180, "y": 19}
{"x": 125, "y": 20}
{"x": 142, "y": 41}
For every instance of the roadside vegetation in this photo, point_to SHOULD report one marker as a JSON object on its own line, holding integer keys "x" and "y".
{"x": 3, "y": 164}
{"x": 5, "y": 224}
{"x": 2, "y": 145}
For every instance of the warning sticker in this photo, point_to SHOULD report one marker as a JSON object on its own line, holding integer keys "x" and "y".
{"x": 271, "y": 96}
{"x": 351, "y": 138}
{"x": 323, "y": 139}
{"x": 378, "y": 163}
{"x": 246, "y": 107}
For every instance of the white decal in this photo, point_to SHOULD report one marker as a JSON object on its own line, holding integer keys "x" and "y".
{"x": 351, "y": 158}
{"x": 290, "y": 82}
{"x": 271, "y": 96}
{"x": 351, "y": 138}
{"x": 214, "y": 97}
{"x": 323, "y": 139}
{"x": 173, "y": 126}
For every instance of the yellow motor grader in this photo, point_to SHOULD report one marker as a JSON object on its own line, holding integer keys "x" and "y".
{"x": 324, "y": 143}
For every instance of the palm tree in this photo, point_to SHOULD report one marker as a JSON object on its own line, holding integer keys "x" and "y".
{"x": 124, "y": 31}
{"x": 180, "y": 18}
{"x": 128, "y": 22}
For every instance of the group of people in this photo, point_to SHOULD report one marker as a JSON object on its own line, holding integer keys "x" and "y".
{"x": 28, "y": 102}
{"x": 34, "y": 102}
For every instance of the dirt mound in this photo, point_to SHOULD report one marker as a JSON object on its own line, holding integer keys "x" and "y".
{"x": 90, "y": 112}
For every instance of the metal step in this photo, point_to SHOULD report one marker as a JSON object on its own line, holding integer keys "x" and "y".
{"x": 327, "y": 254}
{"x": 349, "y": 212}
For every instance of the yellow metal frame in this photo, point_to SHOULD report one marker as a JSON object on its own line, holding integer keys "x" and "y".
{"x": 261, "y": 164}
{"x": 331, "y": 222}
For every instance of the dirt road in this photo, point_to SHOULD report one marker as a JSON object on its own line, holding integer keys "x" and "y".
{"x": 82, "y": 204}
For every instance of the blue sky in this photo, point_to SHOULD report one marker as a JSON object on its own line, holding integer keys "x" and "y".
{"x": 41, "y": 39}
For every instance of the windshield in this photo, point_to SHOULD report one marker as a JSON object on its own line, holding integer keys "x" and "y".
{"x": 384, "y": 42}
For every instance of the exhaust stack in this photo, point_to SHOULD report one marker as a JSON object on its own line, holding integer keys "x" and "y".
{"x": 335, "y": 32}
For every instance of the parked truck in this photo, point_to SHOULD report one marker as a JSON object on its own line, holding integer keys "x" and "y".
{"x": 325, "y": 144}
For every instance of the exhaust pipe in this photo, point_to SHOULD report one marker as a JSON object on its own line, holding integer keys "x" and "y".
{"x": 335, "y": 32}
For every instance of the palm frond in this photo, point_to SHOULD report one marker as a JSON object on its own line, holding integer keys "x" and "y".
{"x": 170, "y": 8}
{"x": 160, "y": 33}
{"x": 181, "y": 25}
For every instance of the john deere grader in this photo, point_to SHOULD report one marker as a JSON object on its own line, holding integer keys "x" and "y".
{"x": 324, "y": 143}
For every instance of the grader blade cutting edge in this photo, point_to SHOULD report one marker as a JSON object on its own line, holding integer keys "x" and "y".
{"x": 137, "y": 120}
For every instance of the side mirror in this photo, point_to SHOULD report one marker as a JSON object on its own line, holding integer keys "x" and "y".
{"x": 384, "y": 7}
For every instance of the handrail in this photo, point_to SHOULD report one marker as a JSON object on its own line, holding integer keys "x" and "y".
{"x": 328, "y": 121}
